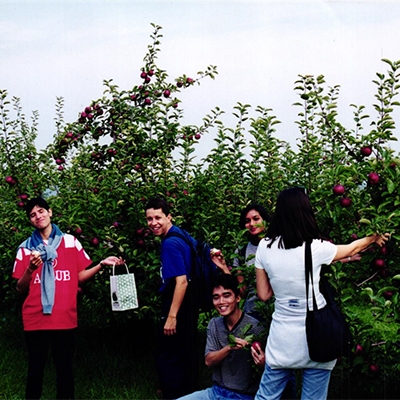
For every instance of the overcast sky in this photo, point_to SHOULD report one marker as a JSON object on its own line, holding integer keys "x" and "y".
{"x": 68, "y": 47}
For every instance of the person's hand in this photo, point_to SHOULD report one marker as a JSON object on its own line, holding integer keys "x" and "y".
{"x": 218, "y": 259}
{"x": 112, "y": 260}
{"x": 381, "y": 239}
{"x": 258, "y": 355}
{"x": 170, "y": 326}
{"x": 34, "y": 260}
{"x": 240, "y": 344}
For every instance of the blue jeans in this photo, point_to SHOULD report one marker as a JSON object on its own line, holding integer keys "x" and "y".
{"x": 216, "y": 393}
{"x": 273, "y": 382}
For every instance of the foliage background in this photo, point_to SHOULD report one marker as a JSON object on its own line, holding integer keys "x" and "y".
{"x": 130, "y": 145}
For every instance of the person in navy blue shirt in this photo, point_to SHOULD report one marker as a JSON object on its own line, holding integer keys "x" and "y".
{"x": 176, "y": 353}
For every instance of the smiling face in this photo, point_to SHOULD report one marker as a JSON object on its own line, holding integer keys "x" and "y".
{"x": 254, "y": 222}
{"x": 225, "y": 301}
{"x": 40, "y": 218}
{"x": 158, "y": 222}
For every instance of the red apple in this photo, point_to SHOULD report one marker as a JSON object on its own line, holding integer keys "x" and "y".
{"x": 338, "y": 189}
{"x": 365, "y": 151}
{"x": 373, "y": 178}
{"x": 9, "y": 179}
{"x": 167, "y": 93}
{"x": 78, "y": 231}
{"x": 147, "y": 102}
{"x": 197, "y": 136}
{"x": 379, "y": 263}
{"x": 148, "y": 79}
{"x": 115, "y": 224}
{"x": 359, "y": 350}
{"x": 179, "y": 84}
{"x": 21, "y": 204}
{"x": 345, "y": 202}
{"x": 384, "y": 250}
{"x": 24, "y": 196}
{"x": 254, "y": 346}
{"x": 95, "y": 242}
{"x": 150, "y": 73}
{"x": 140, "y": 231}
{"x": 387, "y": 295}
{"x": 143, "y": 75}
{"x": 374, "y": 368}
{"x": 140, "y": 242}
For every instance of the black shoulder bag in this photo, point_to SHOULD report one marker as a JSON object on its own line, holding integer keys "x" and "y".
{"x": 328, "y": 333}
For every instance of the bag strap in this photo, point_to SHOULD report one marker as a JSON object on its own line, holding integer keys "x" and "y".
{"x": 189, "y": 243}
{"x": 127, "y": 270}
{"x": 309, "y": 274}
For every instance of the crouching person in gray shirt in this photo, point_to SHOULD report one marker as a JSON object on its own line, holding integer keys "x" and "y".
{"x": 233, "y": 372}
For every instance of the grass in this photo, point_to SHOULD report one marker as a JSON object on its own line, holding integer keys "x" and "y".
{"x": 118, "y": 363}
{"x": 112, "y": 363}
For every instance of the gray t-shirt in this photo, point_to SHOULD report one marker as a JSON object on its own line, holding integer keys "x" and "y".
{"x": 251, "y": 298}
{"x": 236, "y": 372}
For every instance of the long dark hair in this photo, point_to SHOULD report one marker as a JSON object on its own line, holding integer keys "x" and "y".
{"x": 293, "y": 221}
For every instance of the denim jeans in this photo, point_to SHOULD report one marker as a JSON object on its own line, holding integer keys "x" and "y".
{"x": 216, "y": 393}
{"x": 273, "y": 382}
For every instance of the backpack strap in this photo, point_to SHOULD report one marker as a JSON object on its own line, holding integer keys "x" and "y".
{"x": 188, "y": 242}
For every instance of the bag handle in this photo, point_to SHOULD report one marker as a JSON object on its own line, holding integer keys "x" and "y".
{"x": 309, "y": 274}
{"x": 127, "y": 270}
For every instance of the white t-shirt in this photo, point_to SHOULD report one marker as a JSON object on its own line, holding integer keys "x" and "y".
{"x": 287, "y": 341}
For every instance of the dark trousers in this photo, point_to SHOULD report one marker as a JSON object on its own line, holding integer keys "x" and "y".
{"x": 62, "y": 343}
{"x": 177, "y": 356}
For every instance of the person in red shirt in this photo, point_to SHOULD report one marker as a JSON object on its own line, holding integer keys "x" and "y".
{"x": 50, "y": 265}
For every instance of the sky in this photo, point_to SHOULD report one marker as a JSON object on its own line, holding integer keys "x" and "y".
{"x": 66, "y": 48}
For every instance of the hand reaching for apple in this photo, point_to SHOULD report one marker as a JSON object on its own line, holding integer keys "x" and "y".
{"x": 218, "y": 259}
{"x": 380, "y": 239}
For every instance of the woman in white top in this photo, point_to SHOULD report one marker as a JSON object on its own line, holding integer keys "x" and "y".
{"x": 280, "y": 271}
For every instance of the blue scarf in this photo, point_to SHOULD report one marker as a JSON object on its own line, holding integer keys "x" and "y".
{"x": 48, "y": 254}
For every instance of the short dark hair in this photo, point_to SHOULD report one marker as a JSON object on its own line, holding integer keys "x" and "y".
{"x": 36, "y": 201}
{"x": 227, "y": 282}
{"x": 294, "y": 220}
{"x": 260, "y": 209}
{"x": 158, "y": 203}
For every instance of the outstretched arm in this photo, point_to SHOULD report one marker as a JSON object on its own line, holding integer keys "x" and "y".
{"x": 349, "y": 250}
{"x": 86, "y": 274}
